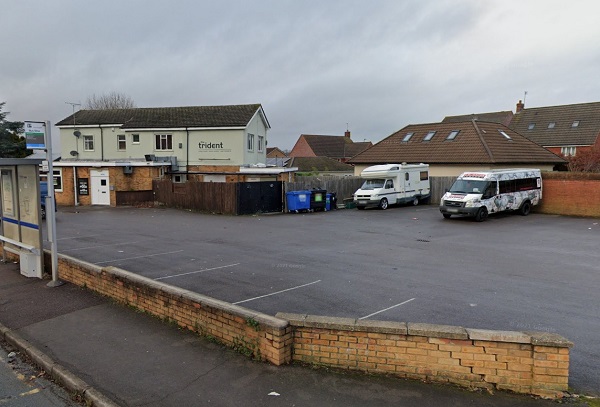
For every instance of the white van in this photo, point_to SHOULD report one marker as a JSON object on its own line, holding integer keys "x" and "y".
{"x": 392, "y": 184}
{"x": 480, "y": 193}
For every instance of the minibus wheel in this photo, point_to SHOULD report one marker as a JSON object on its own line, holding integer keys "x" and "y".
{"x": 383, "y": 204}
{"x": 525, "y": 208}
{"x": 481, "y": 214}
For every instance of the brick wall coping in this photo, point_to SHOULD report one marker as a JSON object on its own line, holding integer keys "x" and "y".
{"x": 174, "y": 291}
{"x": 426, "y": 330}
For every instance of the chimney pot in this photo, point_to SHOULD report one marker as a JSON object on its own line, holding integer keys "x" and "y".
{"x": 520, "y": 106}
{"x": 347, "y": 133}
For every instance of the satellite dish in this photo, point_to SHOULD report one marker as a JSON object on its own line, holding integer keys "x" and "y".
{"x": 77, "y": 133}
{"x": 74, "y": 153}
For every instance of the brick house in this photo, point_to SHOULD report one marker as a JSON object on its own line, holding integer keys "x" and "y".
{"x": 320, "y": 166}
{"x": 107, "y": 153}
{"x": 340, "y": 148}
{"x": 451, "y": 148}
{"x": 564, "y": 129}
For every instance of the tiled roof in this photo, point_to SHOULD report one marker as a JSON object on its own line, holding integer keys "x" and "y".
{"x": 476, "y": 143}
{"x": 494, "y": 117}
{"x": 334, "y": 146}
{"x": 318, "y": 164}
{"x": 563, "y": 133}
{"x": 167, "y": 117}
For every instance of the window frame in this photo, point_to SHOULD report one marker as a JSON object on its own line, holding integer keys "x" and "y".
{"x": 551, "y": 125}
{"x": 261, "y": 143}
{"x": 452, "y": 135}
{"x": 407, "y": 137}
{"x": 133, "y": 137}
{"x": 250, "y": 142}
{"x": 531, "y": 126}
{"x": 88, "y": 140}
{"x": 121, "y": 142}
{"x": 56, "y": 178}
{"x": 163, "y": 138}
{"x": 506, "y": 136}
{"x": 429, "y": 135}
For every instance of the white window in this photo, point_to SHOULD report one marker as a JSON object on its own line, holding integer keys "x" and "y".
{"x": 135, "y": 139}
{"x": 250, "y": 142}
{"x": 121, "y": 145}
{"x": 88, "y": 143}
{"x": 429, "y": 136}
{"x": 164, "y": 142}
{"x": 568, "y": 151}
{"x": 57, "y": 179}
{"x": 407, "y": 137}
{"x": 261, "y": 143}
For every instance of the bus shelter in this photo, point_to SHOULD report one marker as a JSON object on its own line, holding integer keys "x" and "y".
{"x": 21, "y": 221}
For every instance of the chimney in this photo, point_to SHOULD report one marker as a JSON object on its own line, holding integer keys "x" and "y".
{"x": 347, "y": 134}
{"x": 520, "y": 106}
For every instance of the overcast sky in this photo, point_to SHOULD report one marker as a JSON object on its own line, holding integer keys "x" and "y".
{"x": 315, "y": 66}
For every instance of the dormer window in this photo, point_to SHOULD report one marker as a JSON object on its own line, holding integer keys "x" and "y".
{"x": 429, "y": 136}
{"x": 531, "y": 126}
{"x": 407, "y": 137}
{"x": 575, "y": 124}
{"x": 551, "y": 125}
{"x": 452, "y": 135}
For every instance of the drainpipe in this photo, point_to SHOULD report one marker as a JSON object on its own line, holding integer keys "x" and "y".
{"x": 187, "y": 150}
{"x": 74, "y": 185}
{"x": 101, "y": 143}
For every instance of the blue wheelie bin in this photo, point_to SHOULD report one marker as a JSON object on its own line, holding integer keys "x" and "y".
{"x": 298, "y": 201}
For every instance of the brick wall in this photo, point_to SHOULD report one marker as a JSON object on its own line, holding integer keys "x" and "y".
{"x": 254, "y": 334}
{"x": 533, "y": 363}
{"x": 524, "y": 362}
{"x": 301, "y": 149}
{"x": 568, "y": 193}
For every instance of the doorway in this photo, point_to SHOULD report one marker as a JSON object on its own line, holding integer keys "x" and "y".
{"x": 100, "y": 190}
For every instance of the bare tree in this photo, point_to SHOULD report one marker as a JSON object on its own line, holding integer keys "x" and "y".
{"x": 112, "y": 100}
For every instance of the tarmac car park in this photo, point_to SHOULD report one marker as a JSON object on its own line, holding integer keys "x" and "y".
{"x": 534, "y": 273}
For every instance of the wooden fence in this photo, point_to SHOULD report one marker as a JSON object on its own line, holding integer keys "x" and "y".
{"x": 215, "y": 197}
{"x": 343, "y": 187}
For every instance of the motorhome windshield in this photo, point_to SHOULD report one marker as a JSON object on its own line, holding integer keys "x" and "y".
{"x": 462, "y": 186}
{"x": 373, "y": 183}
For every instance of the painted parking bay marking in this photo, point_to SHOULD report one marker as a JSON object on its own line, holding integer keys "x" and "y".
{"x": 386, "y": 309}
{"x": 277, "y": 292}
{"x": 197, "y": 271}
{"x": 138, "y": 257}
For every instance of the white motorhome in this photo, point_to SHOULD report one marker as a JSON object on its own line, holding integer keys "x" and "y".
{"x": 479, "y": 193}
{"x": 392, "y": 184}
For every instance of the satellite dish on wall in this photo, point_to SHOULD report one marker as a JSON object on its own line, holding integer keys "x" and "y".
{"x": 77, "y": 133}
{"x": 74, "y": 153}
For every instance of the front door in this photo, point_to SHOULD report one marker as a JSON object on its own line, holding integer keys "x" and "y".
{"x": 100, "y": 190}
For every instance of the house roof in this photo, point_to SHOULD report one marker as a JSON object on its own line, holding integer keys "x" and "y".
{"x": 476, "y": 143}
{"x": 320, "y": 164}
{"x": 494, "y": 117}
{"x": 168, "y": 117}
{"x": 334, "y": 146}
{"x": 563, "y": 133}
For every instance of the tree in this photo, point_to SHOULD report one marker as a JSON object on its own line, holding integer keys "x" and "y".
{"x": 112, "y": 100}
{"x": 12, "y": 144}
{"x": 586, "y": 160}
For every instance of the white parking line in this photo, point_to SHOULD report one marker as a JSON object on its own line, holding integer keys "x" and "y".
{"x": 102, "y": 245}
{"x": 277, "y": 292}
{"x": 383, "y": 310}
{"x": 77, "y": 237}
{"x": 138, "y": 257}
{"x": 197, "y": 271}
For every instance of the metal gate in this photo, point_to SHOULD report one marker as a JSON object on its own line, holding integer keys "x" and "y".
{"x": 260, "y": 197}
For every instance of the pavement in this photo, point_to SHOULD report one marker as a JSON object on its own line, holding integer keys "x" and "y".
{"x": 112, "y": 355}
